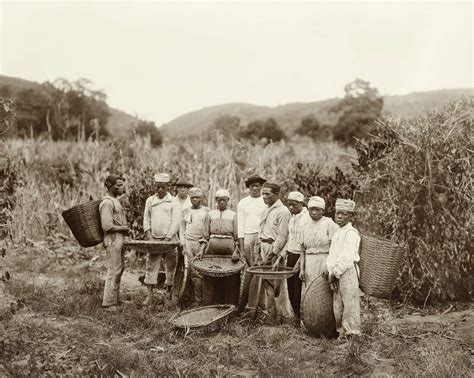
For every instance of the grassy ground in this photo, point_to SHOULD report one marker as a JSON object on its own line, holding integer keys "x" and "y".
{"x": 60, "y": 328}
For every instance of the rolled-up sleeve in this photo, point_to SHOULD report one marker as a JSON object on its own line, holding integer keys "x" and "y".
{"x": 106, "y": 209}
{"x": 349, "y": 253}
{"x": 282, "y": 232}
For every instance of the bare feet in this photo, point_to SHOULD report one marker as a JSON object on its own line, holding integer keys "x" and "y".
{"x": 147, "y": 301}
{"x": 110, "y": 308}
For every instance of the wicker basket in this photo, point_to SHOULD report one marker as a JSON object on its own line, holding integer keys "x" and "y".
{"x": 84, "y": 222}
{"x": 317, "y": 309}
{"x": 266, "y": 272}
{"x": 217, "y": 266}
{"x": 207, "y": 317}
{"x": 151, "y": 246}
{"x": 379, "y": 265}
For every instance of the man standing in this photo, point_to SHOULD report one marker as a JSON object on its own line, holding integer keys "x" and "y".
{"x": 299, "y": 218}
{"x": 191, "y": 232}
{"x": 273, "y": 235}
{"x": 249, "y": 214}
{"x": 161, "y": 221}
{"x": 182, "y": 188}
{"x": 114, "y": 225}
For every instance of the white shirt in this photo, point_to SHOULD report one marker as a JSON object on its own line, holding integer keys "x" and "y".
{"x": 183, "y": 204}
{"x": 344, "y": 250}
{"x": 249, "y": 214}
{"x": 297, "y": 222}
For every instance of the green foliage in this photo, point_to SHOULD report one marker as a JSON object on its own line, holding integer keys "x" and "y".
{"x": 416, "y": 188}
{"x": 267, "y": 130}
{"x": 311, "y": 181}
{"x": 360, "y": 108}
{"x": 149, "y": 129}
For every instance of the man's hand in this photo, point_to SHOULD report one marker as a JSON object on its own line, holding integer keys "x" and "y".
{"x": 301, "y": 275}
{"x": 325, "y": 274}
{"x": 167, "y": 239}
{"x": 235, "y": 255}
{"x": 333, "y": 282}
{"x": 148, "y": 235}
{"x": 276, "y": 263}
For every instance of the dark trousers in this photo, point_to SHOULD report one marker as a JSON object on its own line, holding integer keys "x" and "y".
{"x": 294, "y": 284}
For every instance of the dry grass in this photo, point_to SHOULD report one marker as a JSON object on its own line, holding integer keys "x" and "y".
{"x": 54, "y": 176}
{"x": 62, "y": 313}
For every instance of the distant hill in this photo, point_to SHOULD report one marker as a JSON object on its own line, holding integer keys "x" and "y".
{"x": 289, "y": 116}
{"x": 119, "y": 123}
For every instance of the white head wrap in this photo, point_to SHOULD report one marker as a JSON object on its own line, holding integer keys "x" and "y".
{"x": 316, "y": 202}
{"x": 296, "y": 196}
{"x": 345, "y": 205}
{"x": 222, "y": 193}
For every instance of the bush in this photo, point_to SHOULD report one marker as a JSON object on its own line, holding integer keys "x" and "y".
{"x": 149, "y": 129}
{"x": 268, "y": 131}
{"x": 415, "y": 179}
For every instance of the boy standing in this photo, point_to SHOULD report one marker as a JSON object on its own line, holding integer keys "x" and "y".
{"x": 191, "y": 231}
{"x": 114, "y": 224}
{"x": 342, "y": 273}
{"x": 161, "y": 221}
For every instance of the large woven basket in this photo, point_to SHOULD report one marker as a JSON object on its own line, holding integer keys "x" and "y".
{"x": 84, "y": 222}
{"x": 379, "y": 265}
{"x": 317, "y": 309}
{"x": 151, "y": 246}
{"x": 217, "y": 265}
{"x": 207, "y": 317}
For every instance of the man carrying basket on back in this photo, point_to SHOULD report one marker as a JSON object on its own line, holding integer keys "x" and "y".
{"x": 114, "y": 225}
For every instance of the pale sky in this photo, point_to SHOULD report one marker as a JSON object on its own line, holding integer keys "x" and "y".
{"x": 160, "y": 60}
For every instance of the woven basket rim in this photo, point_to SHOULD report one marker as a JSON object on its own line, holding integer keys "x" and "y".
{"x": 229, "y": 309}
{"x": 218, "y": 273}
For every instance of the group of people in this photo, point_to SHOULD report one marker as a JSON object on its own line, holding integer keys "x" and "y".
{"x": 263, "y": 231}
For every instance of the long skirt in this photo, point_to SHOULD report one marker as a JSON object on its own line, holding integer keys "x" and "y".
{"x": 314, "y": 266}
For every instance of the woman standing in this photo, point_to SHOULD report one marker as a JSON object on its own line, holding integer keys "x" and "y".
{"x": 220, "y": 238}
{"x": 315, "y": 240}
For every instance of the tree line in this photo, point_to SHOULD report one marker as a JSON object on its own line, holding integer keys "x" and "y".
{"x": 65, "y": 110}
{"x": 62, "y": 110}
{"x": 357, "y": 112}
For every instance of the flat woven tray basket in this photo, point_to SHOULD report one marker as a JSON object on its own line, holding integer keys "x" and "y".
{"x": 151, "y": 246}
{"x": 217, "y": 265}
{"x": 266, "y": 272}
{"x": 317, "y": 309}
{"x": 84, "y": 222}
{"x": 202, "y": 317}
{"x": 379, "y": 265}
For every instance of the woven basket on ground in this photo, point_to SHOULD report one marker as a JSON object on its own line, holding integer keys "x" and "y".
{"x": 207, "y": 317}
{"x": 379, "y": 265}
{"x": 84, "y": 222}
{"x": 317, "y": 309}
{"x": 151, "y": 246}
{"x": 217, "y": 265}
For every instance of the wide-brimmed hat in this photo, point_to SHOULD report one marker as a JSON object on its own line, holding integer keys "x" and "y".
{"x": 183, "y": 182}
{"x": 254, "y": 179}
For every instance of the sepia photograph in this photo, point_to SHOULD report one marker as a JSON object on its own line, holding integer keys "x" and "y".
{"x": 236, "y": 188}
